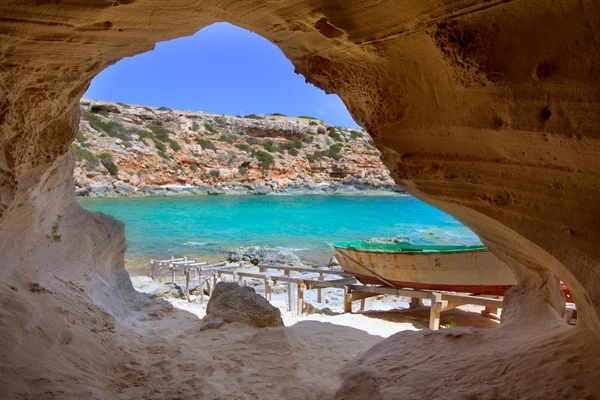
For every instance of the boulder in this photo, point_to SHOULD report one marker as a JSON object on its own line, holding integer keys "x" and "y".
{"x": 264, "y": 255}
{"x": 124, "y": 188}
{"x": 82, "y": 192}
{"x": 234, "y": 303}
{"x": 169, "y": 290}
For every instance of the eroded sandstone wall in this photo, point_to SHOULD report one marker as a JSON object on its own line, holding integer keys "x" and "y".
{"x": 488, "y": 110}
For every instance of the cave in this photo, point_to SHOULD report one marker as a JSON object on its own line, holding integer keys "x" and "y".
{"x": 488, "y": 111}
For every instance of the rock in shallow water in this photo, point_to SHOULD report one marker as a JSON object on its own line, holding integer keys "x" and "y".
{"x": 234, "y": 303}
{"x": 263, "y": 255}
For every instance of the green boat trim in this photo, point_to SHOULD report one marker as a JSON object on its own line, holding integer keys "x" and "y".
{"x": 403, "y": 247}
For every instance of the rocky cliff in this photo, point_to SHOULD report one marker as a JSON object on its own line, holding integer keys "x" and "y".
{"x": 127, "y": 149}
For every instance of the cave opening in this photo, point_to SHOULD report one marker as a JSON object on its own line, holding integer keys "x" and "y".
{"x": 135, "y": 139}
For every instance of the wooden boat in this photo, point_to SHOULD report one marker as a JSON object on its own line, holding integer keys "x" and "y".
{"x": 469, "y": 269}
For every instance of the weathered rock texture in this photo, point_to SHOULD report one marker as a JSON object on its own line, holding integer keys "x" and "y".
{"x": 234, "y": 303}
{"x": 488, "y": 110}
{"x": 125, "y": 149}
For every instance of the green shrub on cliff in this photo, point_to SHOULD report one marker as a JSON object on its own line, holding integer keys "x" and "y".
{"x": 144, "y": 134}
{"x": 206, "y": 144}
{"x": 226, "y": 139}
{"x": 264, "y": 158}
{"x": 253, "y": 116}
{"x": 269, "y": 146}
{"x": 160, "y": 133}
{"x": 195, "y": 126}
{"x": 174, "y": 145}
{"x": 294, "y": 145}
{"x": 210, "y": 128}
{"x": 81, "y": 139}
{"x": 332, "y": 152}
{"x": 243, "y": 147}
{"x": 162, "y": 154}
{"x": 160, "y": 146}
{"x": 111, "y": 128}
{"x": 335, "y": 135}
{"x": 107, "y": 160}
{"x": 306, "y": 117}
{"x": 83, "y": 154}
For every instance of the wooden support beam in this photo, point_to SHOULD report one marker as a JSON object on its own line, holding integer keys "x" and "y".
{"x": 301, "y": 288}
{"x": 187, "y": 284}
{"x": 287, "y": 272}
{"x": 303, "y": 269}
{"x": 267, "y": 289}
{"x": 201, "y": 287}
{"x": 319, "y": 294}
{"x": 476, "y": 300}
{"x": 347, "y": 301}
{"x": 415, "y": 303}
{"x": 361, "y": 296}
{"x": 435, "y": 311}
{"x": 364, "y": 303}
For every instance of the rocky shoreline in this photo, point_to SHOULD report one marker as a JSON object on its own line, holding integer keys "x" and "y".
{"x": 130, "y": 150}
{"x": 334, "y": 189}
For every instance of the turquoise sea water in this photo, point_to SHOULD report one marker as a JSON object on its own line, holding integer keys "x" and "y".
{"x": 161, "y": 227}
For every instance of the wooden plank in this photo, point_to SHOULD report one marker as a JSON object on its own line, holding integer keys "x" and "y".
{"x": 334, "y": 283}
{"x": 302, "y": 269}
{"x": 361, "y": 296}
{"x": 466, "y": 299}
{"x": 167, "y": 261}
{"x": 391, "y": 291}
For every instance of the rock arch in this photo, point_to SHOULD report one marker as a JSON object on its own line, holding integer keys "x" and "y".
{"x": 487, "y": 110}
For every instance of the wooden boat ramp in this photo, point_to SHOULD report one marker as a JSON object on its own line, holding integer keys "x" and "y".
{"x": 298, "y": 280}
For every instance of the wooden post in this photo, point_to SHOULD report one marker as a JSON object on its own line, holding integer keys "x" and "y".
{"x": 172, "y": 273}
{"x": 209, "y": 288}
{"x": 347, "y": 301}
{"x": 187, "y": 283}
{"x": 319, "y": 297}
{"x": 267, "y": 288}
{"x": 364, "y": 303}
{"x": 215, "y": 276}
{"x": 415, "y": 303}
{"x": 287, "y": 273}
{"x": 435, "y": 311}
{"x": 201, "y": 287}
{"x": 301, "y": 288}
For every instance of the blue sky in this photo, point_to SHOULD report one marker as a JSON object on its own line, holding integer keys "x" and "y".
{"x": 221, "y": 69}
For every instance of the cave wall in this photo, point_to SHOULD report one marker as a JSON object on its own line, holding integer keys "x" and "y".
{"x": 487, "y": 110}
